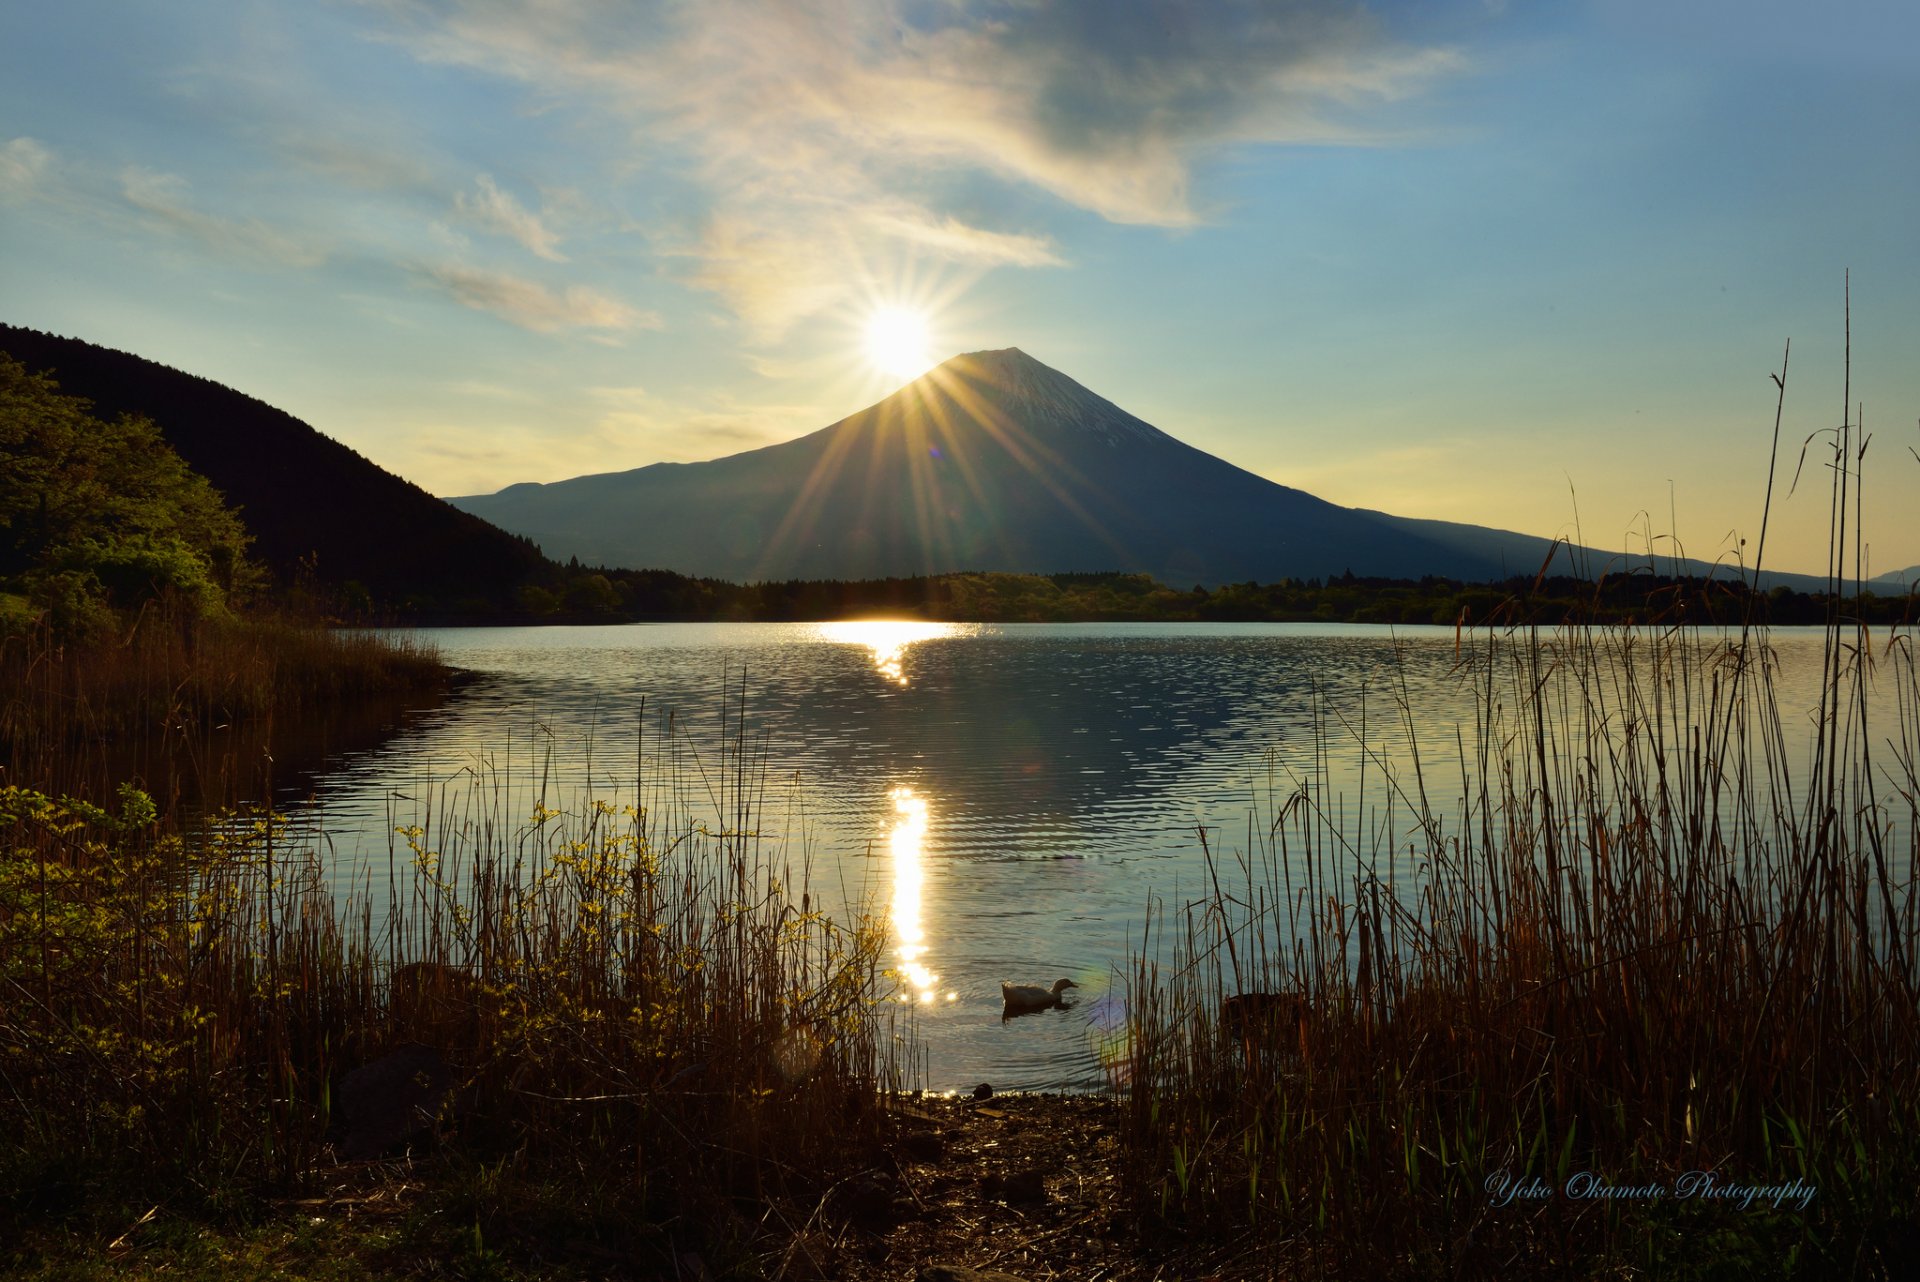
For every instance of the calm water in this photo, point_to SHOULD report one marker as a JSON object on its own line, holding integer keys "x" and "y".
{"x": 1012, "y": 794}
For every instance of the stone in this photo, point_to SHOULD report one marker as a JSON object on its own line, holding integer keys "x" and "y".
{"x": 983, "y": 1091}
{"x": 924, "y": 1146}
{"x": 385, "y": 1104}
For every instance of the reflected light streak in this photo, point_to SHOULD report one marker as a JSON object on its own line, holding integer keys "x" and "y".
{"x": 888, "y": 639}
{"x": 908, "y": 844}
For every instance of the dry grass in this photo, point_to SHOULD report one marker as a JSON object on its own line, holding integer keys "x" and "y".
{"x": 82, "y": 718}
{"x": 1645, "y": 938}
{"x": 656, "y": 1036}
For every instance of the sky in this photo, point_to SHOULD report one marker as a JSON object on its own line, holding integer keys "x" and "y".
{"x": 1519, "y": 264}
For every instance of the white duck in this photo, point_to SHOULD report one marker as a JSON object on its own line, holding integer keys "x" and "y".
{"x": 1021, "y": 998}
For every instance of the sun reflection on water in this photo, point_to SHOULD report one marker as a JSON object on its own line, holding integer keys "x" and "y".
{"x": 888, "y": 639}
{"x": 908, "y": 844}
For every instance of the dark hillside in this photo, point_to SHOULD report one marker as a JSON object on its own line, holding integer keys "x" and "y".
{"x": 990, "y": 462}
{"x": 316, "y": 509}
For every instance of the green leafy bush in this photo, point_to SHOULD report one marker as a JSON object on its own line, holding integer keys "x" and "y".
{"x": 96, "y": 517}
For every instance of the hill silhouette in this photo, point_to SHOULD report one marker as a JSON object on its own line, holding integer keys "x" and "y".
{"x": 991, "y": 462}
{"x": 319, "y": 512}
{"x": 994, "y": 462}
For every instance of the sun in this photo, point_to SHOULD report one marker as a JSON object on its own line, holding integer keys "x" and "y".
{"x": 897, "y": 341}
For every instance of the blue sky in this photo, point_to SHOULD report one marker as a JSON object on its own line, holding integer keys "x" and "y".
{"x": 1492, "y": 262}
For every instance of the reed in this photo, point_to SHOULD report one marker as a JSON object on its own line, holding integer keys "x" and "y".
{"x": 82, "y": 717}
{"x": 1638, "y": 945}
{"x": 652, "y": 1034}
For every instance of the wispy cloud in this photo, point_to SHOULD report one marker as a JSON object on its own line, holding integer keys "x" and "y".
{"x": 344, "y": 154}
{"x": 164, "y": 198}
{"x": 947, "y": 236}
{"x": 488, "y": 207}
{"x": 24, "y": 165}
{"x": 486, "y": 391}
{"x": 651, "y": 429}
{"x": 770, "y": 274}
{"x": 532, "y": 305}
{"x": 30, "y": 172}
{"x": 816, "y": 128}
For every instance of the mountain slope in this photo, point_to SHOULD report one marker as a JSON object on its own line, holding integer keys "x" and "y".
{"x": 993, "y": 461}
{"x": 1896, "y": 580}
{"x": 314, "y": 506}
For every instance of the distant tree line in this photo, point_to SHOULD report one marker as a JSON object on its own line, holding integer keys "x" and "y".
{"x": 151, "y": 482}
{"x": 584, "y": 594}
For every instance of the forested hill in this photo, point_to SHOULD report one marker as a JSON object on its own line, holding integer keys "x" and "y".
{"x": 317, "y": 510}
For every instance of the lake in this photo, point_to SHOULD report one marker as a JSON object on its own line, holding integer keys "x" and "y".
{"x": 1012, "y": 796}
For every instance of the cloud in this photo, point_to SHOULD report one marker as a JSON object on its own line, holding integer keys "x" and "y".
{"x": 349, "y": 158}
{"x": 819, "y": 127}
{"x": 771, "y": 275}
{"x": 30, "y": 172}
{"x": 24, "y": 166}
{"x": 163, "y": 197}
{"x": 498, "y": 211}
{"x": 951, "y": 238}
{"x": 637, "y": 424}
{"x": 534, "y": 306}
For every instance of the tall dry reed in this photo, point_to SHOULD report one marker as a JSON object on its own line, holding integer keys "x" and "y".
{"x": 83, "y": 717}
{"x": 1633, "y": 944}
{"x": 637, "y": 999}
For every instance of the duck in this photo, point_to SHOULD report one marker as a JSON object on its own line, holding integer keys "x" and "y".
{"x": 1021, "y": 998}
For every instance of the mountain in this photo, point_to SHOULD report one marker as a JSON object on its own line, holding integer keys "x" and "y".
{"x": 1896, "y": 580}
{"x": 993, "y": 461}
{"x": 315, "y": 508}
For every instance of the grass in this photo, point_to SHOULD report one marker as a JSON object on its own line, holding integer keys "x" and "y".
{"x": 1621, "y": 936}
{"x": 656, "y": 1045}
{"x": 82, "y": 718}
{"x": 1638, "y": 947}
{"x": 1636, "y": 939}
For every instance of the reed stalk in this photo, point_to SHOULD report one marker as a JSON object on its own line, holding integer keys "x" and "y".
{"x": 638, "y": 998}
{"x": 1647, "y": 936}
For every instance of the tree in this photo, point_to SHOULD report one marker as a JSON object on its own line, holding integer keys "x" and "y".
{"x": 96, "y": 515}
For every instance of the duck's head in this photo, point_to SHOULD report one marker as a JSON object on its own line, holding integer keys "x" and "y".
{"x": 1061, "y": 985}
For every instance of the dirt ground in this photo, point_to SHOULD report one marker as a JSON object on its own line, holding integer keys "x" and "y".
{"x": 1027, "y": 1185}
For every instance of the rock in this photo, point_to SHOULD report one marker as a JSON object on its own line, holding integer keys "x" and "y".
{"x": 961, "y": 1273}
{"x": 395, "y": 1099}
{"x": 983, "y": 1091}
{"x": 923, "y": 1146}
